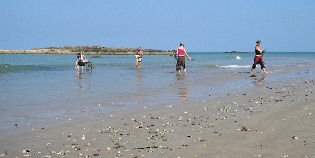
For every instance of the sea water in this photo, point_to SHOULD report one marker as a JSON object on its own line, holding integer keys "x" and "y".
{"x": 45, "y": 87}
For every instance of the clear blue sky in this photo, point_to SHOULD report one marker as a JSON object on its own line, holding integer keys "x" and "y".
{"x": 202, "y": 25}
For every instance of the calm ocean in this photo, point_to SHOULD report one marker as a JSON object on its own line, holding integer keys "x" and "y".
{"x": 43, "y": 87}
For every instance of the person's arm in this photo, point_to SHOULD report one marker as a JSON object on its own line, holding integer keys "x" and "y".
{"x": 260, "y": 50}
{"x": 76, "y": 63}
{"x": 85, "y": 59}
{"x": 142, "y": 54}
{"x": 263, "y": 53}
{"x": 187, "y": 54}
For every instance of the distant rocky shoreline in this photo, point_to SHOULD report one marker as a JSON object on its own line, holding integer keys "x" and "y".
{"x": 93, "y": 50}
{"x": 237, "y": 52}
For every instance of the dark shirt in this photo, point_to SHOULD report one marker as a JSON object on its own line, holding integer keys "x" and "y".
{"x": 257, "y": 52}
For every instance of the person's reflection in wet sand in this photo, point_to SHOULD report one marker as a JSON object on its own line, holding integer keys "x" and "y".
{"x": 181, "y": 87}
{"x": 259, "y": 80}
{"x": 80, "y": 79}
{"x": 79, "y": 75}
{"x": 140, "y": 86}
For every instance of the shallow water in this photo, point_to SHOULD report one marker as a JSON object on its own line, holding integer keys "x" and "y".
{"x": 41, "y": 87}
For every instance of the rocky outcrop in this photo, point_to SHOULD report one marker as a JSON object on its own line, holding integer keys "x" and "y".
{"x": 87, "y": 50}
{"x": 237, "y": 52}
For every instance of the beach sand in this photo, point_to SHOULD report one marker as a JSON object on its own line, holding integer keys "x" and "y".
{"x": 274, "y": 120}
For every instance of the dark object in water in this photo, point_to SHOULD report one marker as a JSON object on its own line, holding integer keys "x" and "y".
{"x": 174, "y": 56}
{"x": 90, "y": 65}
{"x": 252, "y": 76}
{"x": 96, "y": 56}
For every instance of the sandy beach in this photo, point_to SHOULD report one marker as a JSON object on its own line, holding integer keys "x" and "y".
{"x": 157, "y": 79}
{"x": 275, "y": 120}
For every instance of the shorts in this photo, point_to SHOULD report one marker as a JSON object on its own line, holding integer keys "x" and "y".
{"x": 180, "y": 63}
{"x": 81, "y": 63}
{"x": 258, "y": 60}
{"x": 139, "y": 59}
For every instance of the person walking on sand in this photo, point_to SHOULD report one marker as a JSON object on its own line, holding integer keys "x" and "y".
{"x": 181, "y": 52}
{"x": 258, "y": 57}
{"x": 80, "y": 62}
{"x": 139, "y": 57}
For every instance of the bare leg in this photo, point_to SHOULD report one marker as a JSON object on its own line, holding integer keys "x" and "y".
{"x": 136, "y": 63}
{"x": 252, "y": 71}
{"x": 139, "y": 64}
{"x": 265, "y": 70}
{"x": 185, "y": 71}
{"x": 82, "y": 69}
{"x": 178, "y": 71}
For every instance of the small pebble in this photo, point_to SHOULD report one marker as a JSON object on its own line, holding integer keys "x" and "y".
{"x": 77, "y": 148}
{"x": 244, "y": 128}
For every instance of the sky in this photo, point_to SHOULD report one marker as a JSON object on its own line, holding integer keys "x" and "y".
{"x": 202, "y": 25}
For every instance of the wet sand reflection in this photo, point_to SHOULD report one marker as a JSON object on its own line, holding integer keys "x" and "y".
{"x": 183, "y": 92}
{"x": 140, "y": 86}
{"x": 259, "y": 80}
{"x": 81, "y": 76}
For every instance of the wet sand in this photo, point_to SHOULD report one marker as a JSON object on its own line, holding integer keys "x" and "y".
{"x": 275, "y": 120}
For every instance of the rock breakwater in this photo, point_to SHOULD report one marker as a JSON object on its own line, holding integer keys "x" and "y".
{"x": 87, "y": 50}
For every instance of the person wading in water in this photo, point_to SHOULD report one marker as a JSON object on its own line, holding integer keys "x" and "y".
{"x": 80, "y": 62}
{"x": 181, "y": 52}
{"x": 139, "y": 57}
